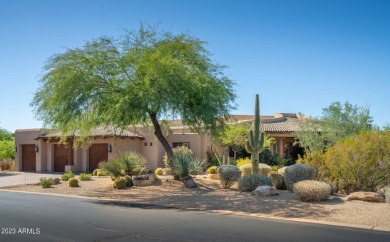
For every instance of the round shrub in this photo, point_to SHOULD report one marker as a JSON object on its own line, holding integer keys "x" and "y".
{"x": 159, "y": 171}
{"x": 67, "y": 175}
{"x": 263, "y": 169}
{"x": 46, "y": 182}
{"x": 119, "y": 183}
{"x": 212, "y": 170}
{"x": 312, "y": 191}
{"x": 85, "y": 177}
{"x": 228, "y": 174}
{"x": 73, "y": 182}
{"x": 298, "y": 172}
{"x": 251, "y": 182}
{"x": 277, "y": 180}
{"x": 129, "y": 181}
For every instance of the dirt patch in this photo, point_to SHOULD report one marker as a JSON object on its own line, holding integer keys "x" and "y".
{"x": 210, "y": 196}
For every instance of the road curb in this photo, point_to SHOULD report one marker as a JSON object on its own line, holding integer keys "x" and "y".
{"x": 225, "y": 212}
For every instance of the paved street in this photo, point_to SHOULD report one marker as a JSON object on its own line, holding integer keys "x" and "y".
{"x": 29, "y": 217}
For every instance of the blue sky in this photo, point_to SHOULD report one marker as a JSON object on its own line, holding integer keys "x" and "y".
{"x": 299, "y": 55}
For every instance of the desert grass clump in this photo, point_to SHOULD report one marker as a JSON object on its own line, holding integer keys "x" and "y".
{"x": 228, "y": 175}
{"x": 312, "y": 191}
{"x": 73, "y": 182}
{"x": 46, "y": 182}
{"x": 67, "y": 175}
{"x": 119, "y": 183}
{"x": 251, "y": 182}
{"x": 212, "y": 170}
{"x": 298, "y": 172}
{"x": 159, "y": 171}
{"x": 85, "y": 177}
{"x": 263, "y": 169}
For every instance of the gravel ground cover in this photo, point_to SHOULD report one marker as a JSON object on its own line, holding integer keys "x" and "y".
{"x": 210, "y": 196}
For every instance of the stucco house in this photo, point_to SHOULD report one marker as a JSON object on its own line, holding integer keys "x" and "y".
{"x": 41, "y": 152}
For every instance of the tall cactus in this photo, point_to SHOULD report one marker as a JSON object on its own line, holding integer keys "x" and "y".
{"x": 256, "y": 139}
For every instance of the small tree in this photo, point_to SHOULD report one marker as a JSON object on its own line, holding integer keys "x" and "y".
{"x": 235, "y": 136}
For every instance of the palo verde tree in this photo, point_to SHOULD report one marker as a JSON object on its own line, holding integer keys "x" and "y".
{"x": 142, "y": 77}
{"x": 234, "y": 136}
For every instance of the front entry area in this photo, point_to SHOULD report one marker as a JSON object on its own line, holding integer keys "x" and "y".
{"x": 62, "y": 157}
{"x": 28, "y": 158}
{"x": 97, "y": 153}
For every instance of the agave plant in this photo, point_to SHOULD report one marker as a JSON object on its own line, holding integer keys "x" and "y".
{"x": 196, "y": 166}
{"x": 181, "y": 163}
{"x": 130, "y": 161}
{"x": 112, "y": 167}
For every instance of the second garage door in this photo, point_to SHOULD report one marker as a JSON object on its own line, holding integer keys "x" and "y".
{"x": 97, "y": 153}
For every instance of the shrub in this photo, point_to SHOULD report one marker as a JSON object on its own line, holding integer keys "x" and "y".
{"x": 181, "y": 164}
{"x": 298, "y": 172}
{"x": 178, "y": 151}
{"x": 119, "y": 183}
{"x": 45, "y": 182}
{"x": 361, "y": 162}
{"x": 85, "y": 177}
{"x": 243, "y": 161}
{"x": 316, "y": 160}
{"x": 73, "y": 182}
{"x": 251, "y": 182}
{"x": 56, "y": 181}
{"x": 129, "y": 181}
{"x": 274, "y": 168}
{"x": 196, "y": 166}
{"x": 312, "y": 191}
{"x": 263, "y": 169}
{"x": 212, "y": 170}
{"x": 126, "y": 163}
{"x": 159, "y": 171}
{"x": 67, "y": 175}
{"x": 277, "y": 180}
{"x": 228, "y": 174}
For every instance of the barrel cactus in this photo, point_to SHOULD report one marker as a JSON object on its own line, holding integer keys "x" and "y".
{"x": 129, "y": 181}
{"x": 73, "y": 182}
{"x": 119, "y": 183}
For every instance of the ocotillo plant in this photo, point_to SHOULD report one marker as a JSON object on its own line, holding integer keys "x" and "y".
{"x": 256, "y": 139}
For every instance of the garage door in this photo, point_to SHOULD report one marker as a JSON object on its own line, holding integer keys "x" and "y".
{"x": 62, "y": 157}
{"x": 97, "y": 153}
{"x": 28, "y": 158}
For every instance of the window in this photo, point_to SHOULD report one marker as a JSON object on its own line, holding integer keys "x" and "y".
{"x": 146, "y": 144}
{"x": 185, "y": 144}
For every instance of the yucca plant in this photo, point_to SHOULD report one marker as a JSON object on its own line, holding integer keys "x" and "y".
{"x": 112, "y": 167}
{"x": 129, "y": 161}
{"x": 181, "y": 163}
{"x": 196, "y": 166}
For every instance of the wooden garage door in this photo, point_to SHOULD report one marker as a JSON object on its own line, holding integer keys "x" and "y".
{"x": 97, "y": 153}
{"x": 28, "y": 158}
{"x": 62, "y": 157}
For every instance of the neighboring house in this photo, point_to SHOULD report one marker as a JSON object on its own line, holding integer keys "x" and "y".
{"x": 41, "y": 152}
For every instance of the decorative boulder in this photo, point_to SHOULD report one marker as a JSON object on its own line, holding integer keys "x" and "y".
{"x": 366, "y": 196}
{"x": 143, "y": 180}
{"x": 265, "y": 191}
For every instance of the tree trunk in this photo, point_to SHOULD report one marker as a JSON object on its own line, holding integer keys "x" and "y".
{"x": 163, "y": 140}
{"x": 160, "y": 136}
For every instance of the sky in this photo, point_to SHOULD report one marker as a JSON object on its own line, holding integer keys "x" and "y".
{"x": 299, "y": 55}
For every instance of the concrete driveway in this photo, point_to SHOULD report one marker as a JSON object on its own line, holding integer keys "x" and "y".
{"x": 18, "y": 178}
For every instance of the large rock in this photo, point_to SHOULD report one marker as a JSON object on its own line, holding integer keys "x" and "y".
{"x": 366, "y": 196}
{"x": 265, "y": 191}
{"x": 143, "y": 180}
{"x": 189, "y": 182}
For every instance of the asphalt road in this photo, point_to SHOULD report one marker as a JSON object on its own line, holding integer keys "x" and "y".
{"x": 28, "y": 217}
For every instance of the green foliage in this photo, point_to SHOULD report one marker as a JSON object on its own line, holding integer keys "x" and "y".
{"x": 312, "y": 191}
{"x": 361, "y": 162}
{"x": 178, "y": 151}
{"x": 73, "y": 182}
{"x": 67, "y": 175}
{"x": 7, "y": 150}
{"x": 234, "y": 136}
{"x": 141, "y": 76}
{"x": 129, "y": 181}
{"x": 337, "y": 123}
{"x": 214, "y": 158}
{"x": 251, "y": 182}
{"x": 46, "y": 182}
{"x": 129, "y": 161}
{"x": 298, "y": 172}
{"x": 119, "y": 183}
{"x": 256, "y": 139}
{"x": 181, "y": 162}
{"x": 159, "y": 171}
{"x": 317, "y": 160}
{"x": 212, "y": 170}
{"x": 228, "y": 174}
{"x": 243, "y": 161}
{"x": 85, "y": 177}
{"x": 5, "y": 135}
